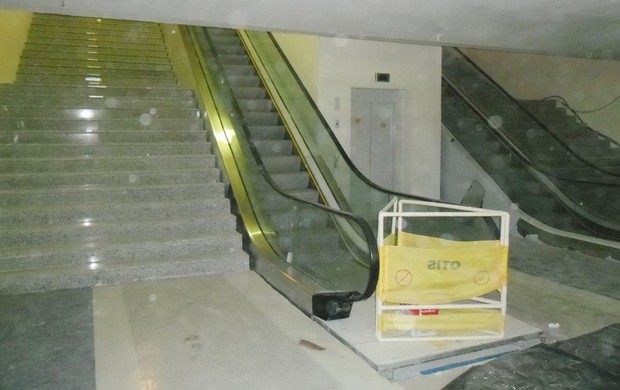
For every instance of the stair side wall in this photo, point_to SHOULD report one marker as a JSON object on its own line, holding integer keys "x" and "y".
{"x": 14, "y": 26}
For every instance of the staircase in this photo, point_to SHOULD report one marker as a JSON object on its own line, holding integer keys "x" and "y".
{"x": 105, "y": 172}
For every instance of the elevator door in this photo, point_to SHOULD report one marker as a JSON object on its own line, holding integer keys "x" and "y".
{"x": 375, "y": 126}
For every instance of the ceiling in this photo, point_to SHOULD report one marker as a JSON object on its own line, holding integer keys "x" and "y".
{"x": 574, "y": 28}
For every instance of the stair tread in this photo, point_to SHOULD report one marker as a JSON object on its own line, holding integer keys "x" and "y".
{"x": 212, "y": 254}
{"x": 88, "y": 246}
{"x": 81, "y": 188}
{"x": 118, "y": 223}
{"x": 99, "y": 210}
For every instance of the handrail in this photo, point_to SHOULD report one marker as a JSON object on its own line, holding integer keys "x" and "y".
{"x": 536, "y": 120}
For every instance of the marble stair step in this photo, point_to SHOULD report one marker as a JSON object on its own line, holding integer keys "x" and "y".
{"x": 108, "y": 194}
{"x": 116, "y": 251}
{"x": 41, "y": 35}
{"x": 86, "y": 212}
{"x": 26, "y": 113}
{"x": 95, "y": 80}
{"x": 78, "y": 91}
{"x": 101, "y": 27}
{"x": 163, "y": 177}
{"x": 113, "y": 163}
{"x": 145, "y": 121}
{"x": 20, "y": 236}
{"x": 41, "y": 27}
{"x": 110, "y": 150}
{"x": 66, "y": 19}
{"x": 48, "y": 51}
{"x": 92, "y": 63}
{"x": 10, "y": 102}
{"x": 63, "y": 40}
{"x": 207, "y": 262}
{"x": 39, "y": 55}
{"x": 98, "y": 137}
{"x": 90, "y": 71}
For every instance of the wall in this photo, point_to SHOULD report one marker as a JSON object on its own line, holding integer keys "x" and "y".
{"x": 459, "y": 169}
{"x": 14, "y": 27}
{"x": 333, "y": 66}
{"x": 302, "y": 52}
{"x": 416, "y": 70}
{"x": 585, "y": 84}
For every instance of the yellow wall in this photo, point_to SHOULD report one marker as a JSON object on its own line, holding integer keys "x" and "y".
{"x": 14, "y": 27}
{"x": 302, "y": 52}
{"x": 178, "y": 55}
{"x": 585, "y": 84}
{"x": 331, "y": 67}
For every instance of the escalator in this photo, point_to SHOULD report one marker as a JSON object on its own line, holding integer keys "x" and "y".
{"x": 308, "y": 215}
{"x": 574, "y": 196}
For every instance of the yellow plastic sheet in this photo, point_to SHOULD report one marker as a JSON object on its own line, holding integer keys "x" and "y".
{"x": 446, "y": 322}
{"x": 427, "y": 270}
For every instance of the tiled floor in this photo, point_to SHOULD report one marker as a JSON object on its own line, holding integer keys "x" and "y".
{"x": 230, "y": 332}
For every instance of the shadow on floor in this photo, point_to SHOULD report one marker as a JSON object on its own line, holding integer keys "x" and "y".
{"x": 591, "y": 361}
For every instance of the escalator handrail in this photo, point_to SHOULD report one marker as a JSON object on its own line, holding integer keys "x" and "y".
{"x": 535, "y": 119}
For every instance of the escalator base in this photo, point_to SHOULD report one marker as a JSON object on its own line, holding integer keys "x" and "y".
{"x": 401, "y": 360}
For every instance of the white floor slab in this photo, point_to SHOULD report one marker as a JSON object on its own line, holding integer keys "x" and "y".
{"x": 219, "y": 332}
{"x": 235, "y": 332}
{"x": 400, "y": 360}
